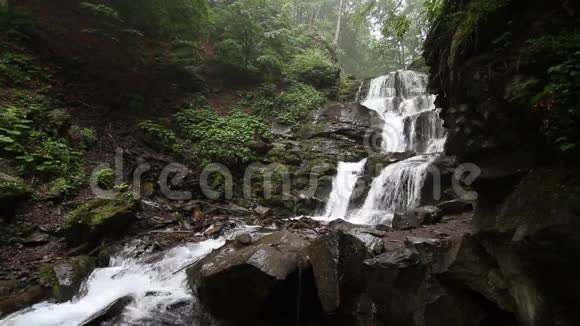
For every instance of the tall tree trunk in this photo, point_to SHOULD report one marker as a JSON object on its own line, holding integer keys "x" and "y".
{"x": 338, "y": 24}
{"x": 404, "y": 61}
{"x": 316, "y": 15}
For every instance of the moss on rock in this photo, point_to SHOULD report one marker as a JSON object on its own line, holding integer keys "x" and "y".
{"x": 12, "y": 187}
{"x": 65, "y": 278}
{"x": 12, "y": 192}
{"x": 101, "y": 217}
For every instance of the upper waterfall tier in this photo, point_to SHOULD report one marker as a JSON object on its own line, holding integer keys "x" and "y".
{"x": 410, "y": 120}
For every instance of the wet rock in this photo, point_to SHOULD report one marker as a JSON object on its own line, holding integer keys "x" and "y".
{"x": 237, "y": 284}
{"x": 263, "y": 211}
{"x": 13, "y": 298}
{"x": 214, "y": 230}
{"x": 336, "y": 263}
{"x": 110, "y": 313}
{"x": 382, "y": 227}
{"x": 244, "y": 239}
{"x": 414, "y": 218}
{"x": 396, "y": 283}
{"x": 37, "y": 237}
{"x": 99, "y": 218}
{"x": 377, "y": 162}
{"x": 456, "y": 206}
{"x": 65, "y": 278}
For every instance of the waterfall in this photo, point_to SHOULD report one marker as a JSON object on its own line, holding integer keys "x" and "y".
{"x": 342, "y": 188}
{"x": 150, "y": 280}
{"x": 395, "y": 190}
{"x": 410, "y": 123}
{"x": 410, "y": 120}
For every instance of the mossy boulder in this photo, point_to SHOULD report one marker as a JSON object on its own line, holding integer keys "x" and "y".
{"x": 65, "y": 278}
{"x": 12, "y": 192}
{"x": 103, "y": 217}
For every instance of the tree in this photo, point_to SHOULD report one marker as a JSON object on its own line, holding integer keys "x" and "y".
{"x": 399, "y": 26}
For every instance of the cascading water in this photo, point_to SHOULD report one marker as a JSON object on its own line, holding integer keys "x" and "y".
{"x": 410, "y": 120}
{"x": 410, "y": 123}
{"x": 152, "y": 283}
{"x": 396, "y": 189}
{"x": 342, "y": 188}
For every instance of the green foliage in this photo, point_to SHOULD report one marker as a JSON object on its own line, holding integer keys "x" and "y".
{"x": 88, "y": 137}
{"x": 185, "y": 19}
{"x": 102, "y": 11}
{"x": 348, "y": 90}
{"x": 38, "y": 153}
{"x": 14, "y": 128}
{"x": 258, "y": 38}
{"x": 158, "y": 136}
{"x": 397, "y": 25}
{"x": 12, "y": 187}
{"x": 476, "y": 13}
{"x": 19, "y": 70}
{"x": 290, "y": 107}
{"x": 62, "y": 187}
{"x": 106, "y": 179}
{"x": 313, "y": 67}
{"x": 432, "y": 9}
{"x": 50, "y": 158}
{"x": 221, "y": 139}
{"x": 110, "y": 23}
{"x": 295, "y": 104}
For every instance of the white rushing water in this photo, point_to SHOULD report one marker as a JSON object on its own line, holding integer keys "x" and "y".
{"x": 410, "y": 123}
{"x": 410, "y": 120}
{"x": 395, "y": 190}
{"x": 150, "y": 280}
{"x": 342, "y": 188}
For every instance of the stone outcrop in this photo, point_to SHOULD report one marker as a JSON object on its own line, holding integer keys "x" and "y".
{"x": 416, "y": 217}
{"x": 336, "y": 260}
{"x": 98, "y": 218}
{"x": 489, "y": 69}
{"x": 301, "y": 167}
{"x": 243, "y": 283}
{"x": 65, "y": 278}
{"x": 12, "y": 192}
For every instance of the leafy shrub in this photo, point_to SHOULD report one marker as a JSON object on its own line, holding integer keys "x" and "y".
{"x": 558, "y": 102}
{"x": 14, "y": 127}
{"x": 314, "y": 68}
{"x": 16, "y": 69}
{"x": 88, "y": 137}
{"x": 221, "y": 139}
{"x": 38, "y": 153}
{"x": 49, "y": 157}
{"x": 294, "y": 105}
{"x": 158, "y": 136}
{"x": 106, "y": 179}
{"x": 111, "y": 25}
{"x": 230, "y": 54}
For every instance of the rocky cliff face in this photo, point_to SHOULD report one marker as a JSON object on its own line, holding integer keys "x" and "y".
{"x": 489, "y": 75}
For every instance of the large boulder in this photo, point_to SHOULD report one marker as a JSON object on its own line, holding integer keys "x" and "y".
{"x": 12, "y": 193}
{"x": 66, "y": 277}
{"x": 533, "y": 237}
{"x": 353, "y": 120}
{"x": 416, "y": 217}
{"x": 337, "y": 266}
{"x": 110, "y": 313}
{"x": 405, "y": 292}
{"x": 396, "y": 282}
{"x": 240, "y": 284}
{"x": 103, "y": 217}
{"x": 14, "y": 298}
